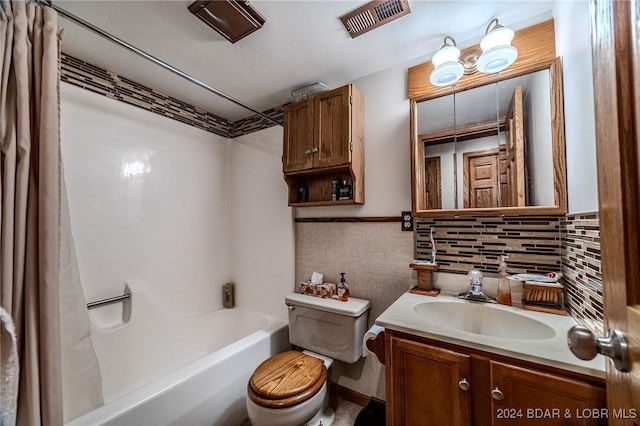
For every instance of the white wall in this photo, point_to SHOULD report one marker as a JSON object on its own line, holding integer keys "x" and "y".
{"x": 185, "y": 210}
{"x": 261, "y": 228}
{"x": 539, "y": 144}
{"x": 573, "y": 43}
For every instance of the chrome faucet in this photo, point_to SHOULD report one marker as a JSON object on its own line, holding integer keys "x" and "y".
{"x": 475, "y": 292}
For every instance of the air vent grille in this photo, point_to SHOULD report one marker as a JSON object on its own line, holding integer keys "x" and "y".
{"x": 373, "y": 15}
{"x": 388, "y": 9}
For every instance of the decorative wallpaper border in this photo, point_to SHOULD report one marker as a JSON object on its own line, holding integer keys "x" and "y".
{"x": 581, "y": 268}
{"x": 533, "y": 244}
{"x": 98, "y": 80}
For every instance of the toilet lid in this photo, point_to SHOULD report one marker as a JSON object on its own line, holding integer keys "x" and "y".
{"x": 286, "y": 379}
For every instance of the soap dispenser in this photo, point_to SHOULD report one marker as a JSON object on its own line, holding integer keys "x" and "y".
{"x": 343, "y": 289}
{"x": 504, "y": 288}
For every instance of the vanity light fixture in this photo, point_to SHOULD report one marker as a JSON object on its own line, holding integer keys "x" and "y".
{"x": 447, "y": 68}
{"x": 497, "y": 52}
{"x": 495, "y": 55}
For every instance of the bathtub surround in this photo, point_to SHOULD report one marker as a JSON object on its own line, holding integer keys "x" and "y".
{"x": 173, "y": 206}
{"x": 114, "y": 86}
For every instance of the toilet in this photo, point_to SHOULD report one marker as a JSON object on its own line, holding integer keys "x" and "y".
{"x": 290, "y": 388}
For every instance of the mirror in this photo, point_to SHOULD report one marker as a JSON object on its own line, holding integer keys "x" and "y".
{"x": 496, "y": 148}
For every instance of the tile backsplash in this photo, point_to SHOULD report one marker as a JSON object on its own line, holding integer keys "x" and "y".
{"x": 581, "y": 268}
{"x": 533, "y": 244}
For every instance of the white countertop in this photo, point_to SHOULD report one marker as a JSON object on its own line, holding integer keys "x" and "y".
{"x": 553, "y": 351}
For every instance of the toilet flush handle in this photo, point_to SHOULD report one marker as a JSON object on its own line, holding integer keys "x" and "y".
{"x": 290, "y": 306}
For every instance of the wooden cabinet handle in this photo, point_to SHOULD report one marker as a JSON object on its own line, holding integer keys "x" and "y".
{"x": 464, "y": 385}
{"x": 497, "y": 394}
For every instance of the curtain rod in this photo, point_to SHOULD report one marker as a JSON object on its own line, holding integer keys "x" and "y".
{"x": 153, "y": 59}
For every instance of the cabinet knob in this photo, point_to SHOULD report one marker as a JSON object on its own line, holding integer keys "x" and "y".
{"x": 315, "y": 149}
{"x": 308, "y": 151}
{"x": 464, "y": 385}
{"x": 497, "y": 394}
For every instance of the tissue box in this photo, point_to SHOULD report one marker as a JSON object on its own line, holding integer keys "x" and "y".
{"x": 324, "y": 290}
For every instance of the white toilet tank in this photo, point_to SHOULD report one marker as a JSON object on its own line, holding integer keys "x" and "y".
{"x": 328, "y": 326}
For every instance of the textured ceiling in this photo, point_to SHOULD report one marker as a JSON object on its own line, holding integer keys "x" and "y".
{"x": 302, "y": 42}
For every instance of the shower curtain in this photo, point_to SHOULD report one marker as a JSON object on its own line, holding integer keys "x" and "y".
{"x": 31, "y": 210}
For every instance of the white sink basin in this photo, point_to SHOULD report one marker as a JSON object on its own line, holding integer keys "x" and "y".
{"x": 484, "y": 319}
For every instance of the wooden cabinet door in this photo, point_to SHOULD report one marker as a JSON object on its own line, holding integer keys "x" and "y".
{"x": 532, "y": 397}
{"x": 298, "y": 143}
{"x": 424, "y": 386}
{"x": 333, "y": 127}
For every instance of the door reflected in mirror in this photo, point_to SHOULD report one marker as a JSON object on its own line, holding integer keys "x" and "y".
{"x": 490, "y": 146}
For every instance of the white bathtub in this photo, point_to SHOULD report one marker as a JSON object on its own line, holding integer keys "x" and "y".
{"x": 164, "y": 370}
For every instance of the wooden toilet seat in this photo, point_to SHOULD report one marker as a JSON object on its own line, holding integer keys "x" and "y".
{"x": 286, "y": 379}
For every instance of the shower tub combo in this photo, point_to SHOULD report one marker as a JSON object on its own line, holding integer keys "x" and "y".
{"x": 163, "y": 370}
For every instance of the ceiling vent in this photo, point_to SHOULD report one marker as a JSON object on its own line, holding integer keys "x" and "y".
{"x": 373, "y": 15}
{"x": 233, "y": 19}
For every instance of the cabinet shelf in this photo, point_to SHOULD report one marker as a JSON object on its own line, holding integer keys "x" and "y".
{"x": 319, "y": 189}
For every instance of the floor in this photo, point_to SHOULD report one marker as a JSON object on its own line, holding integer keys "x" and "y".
{"x": 346, "y": 412}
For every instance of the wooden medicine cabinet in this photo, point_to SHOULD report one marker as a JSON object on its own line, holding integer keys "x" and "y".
{"x": 324, "y": 140}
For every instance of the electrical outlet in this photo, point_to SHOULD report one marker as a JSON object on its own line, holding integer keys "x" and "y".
{"x": 407, "y": 221}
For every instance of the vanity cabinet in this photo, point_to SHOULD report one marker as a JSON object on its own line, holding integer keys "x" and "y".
{"x": 428, "y": 386}
{"x": 435, "y": 383}
{"x": 323, "y": 140}
{"x": 523, "y": 394}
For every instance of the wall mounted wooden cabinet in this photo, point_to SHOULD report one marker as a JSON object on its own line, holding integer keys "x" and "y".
{"x": 435, "y": 383}
{"x": 323, "y": 140}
